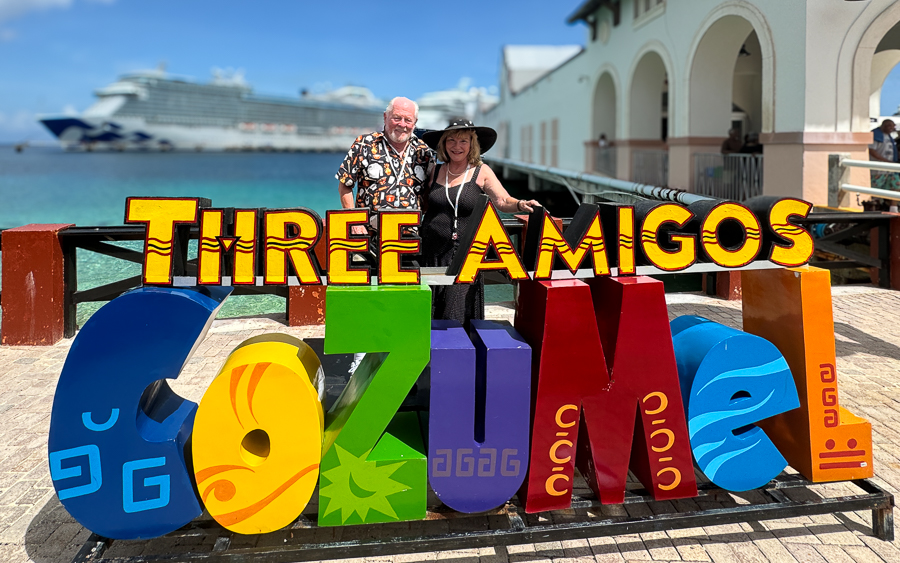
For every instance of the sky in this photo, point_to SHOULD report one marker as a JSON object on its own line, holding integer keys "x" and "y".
{"x": 55, "y": 53}
{"x": 890, "y": 93}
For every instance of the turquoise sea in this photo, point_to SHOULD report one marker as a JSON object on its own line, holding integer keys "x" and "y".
{"x": 49, "y": 185}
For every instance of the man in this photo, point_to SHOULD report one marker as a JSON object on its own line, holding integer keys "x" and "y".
{"x": 389, "y": 168}
{"x": 733, "y": 143}
{"x": 884, "y": 149}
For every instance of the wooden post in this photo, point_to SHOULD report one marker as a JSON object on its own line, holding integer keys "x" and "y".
{"x": 723, "y": 284}
{"x": 306, "y": 303}
{"x": 893, "y": 252}
{"x": 34, "y": 286}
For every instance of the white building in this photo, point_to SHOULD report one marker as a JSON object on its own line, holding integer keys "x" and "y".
{"x": 666, "y": 79}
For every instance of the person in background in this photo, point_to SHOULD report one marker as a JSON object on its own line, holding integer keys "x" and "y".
{"x": 454, "y": 190}
{"x": 884, "y": 149}
{"x": 388, "y": 167}
{"x": 603, "y": 142}
{"x": 733, "y": 143}
{"x": 751, "y": 145}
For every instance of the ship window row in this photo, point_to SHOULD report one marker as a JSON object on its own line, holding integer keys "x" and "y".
{"x": 194, "y": 108}
{"x": 231, "y": 120}
{"x": 233, "y": 113}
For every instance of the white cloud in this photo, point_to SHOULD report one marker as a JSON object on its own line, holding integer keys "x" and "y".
{"x": 70, "y": 110}
{"x": 13, "y": 8}
{"x": 10, "y": 9}
{"x": 17, "y": 121}
{"x": 21, "y": 125}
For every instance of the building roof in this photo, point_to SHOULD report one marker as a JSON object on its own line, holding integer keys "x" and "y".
{"x": 588, "y": 7}
{"x": 526, "y": 64}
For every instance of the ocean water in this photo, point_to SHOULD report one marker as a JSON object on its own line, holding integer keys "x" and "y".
{"x": 48, "y": 185}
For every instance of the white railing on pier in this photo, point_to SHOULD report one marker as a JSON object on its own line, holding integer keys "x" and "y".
{"x": 605, "y": 161}
{"x": 650, "y": 167}
{"x": 736, "y": 177}
{"x": 838, "y": 175}
{"x": 600, "y": 160}
{"x": 590, "y": 186}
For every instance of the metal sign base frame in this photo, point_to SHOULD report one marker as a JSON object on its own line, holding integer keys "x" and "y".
{"x": 304, "y": 541}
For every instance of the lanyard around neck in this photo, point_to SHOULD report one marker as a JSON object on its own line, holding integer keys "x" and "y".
{"x": 462, "y": 184}
{"x": 389, "y": 149}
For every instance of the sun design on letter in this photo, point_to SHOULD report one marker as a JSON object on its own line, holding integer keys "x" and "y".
{"x": 358, "y": 485}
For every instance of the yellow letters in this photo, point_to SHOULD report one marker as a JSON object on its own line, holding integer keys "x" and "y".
{"x": 341, "y": 244}
{"x": 670, "y": 261}
{"x": 746, "y": 252}
{"x": 161, "y": 215}
{"x": 491, "y": 233}
{"x": 392, "y": 245}
{"x": 298, "y": 248}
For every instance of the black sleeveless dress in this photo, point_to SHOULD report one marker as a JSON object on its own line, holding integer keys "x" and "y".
{"x": 461, "y": 302}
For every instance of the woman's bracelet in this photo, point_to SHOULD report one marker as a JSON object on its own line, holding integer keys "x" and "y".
{"x": 518, "y": 206}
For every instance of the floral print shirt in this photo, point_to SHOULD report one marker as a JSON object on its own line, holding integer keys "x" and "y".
{"x": 376, "y": 173}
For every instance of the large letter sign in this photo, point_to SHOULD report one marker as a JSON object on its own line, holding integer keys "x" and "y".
{"x": 117, "y": 431}
{"x": 572, "y": 328}
{"x": 730, "y": 380}
{"x": 369, "y": 474}
{"x": 479, "y": 415}
{"x": 821, "y": 439}
{"x": 593, "y": 376}
{"x": 258, "y": 435}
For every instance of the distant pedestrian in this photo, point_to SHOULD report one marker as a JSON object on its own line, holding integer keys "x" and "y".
{"x": 733, "y": 143}
{"x": 884, "y": 149}
{"x": 602, "y": 142}
{"x": 752, "y": 145}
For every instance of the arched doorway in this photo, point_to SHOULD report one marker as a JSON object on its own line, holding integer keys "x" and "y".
{"x": 726, "y": 79}
{"x": 649, "y": 99}
{"x": 725, "y": 88}
{"x": 648, "y": 121}
{"x": 603, "y": 152}
{"x": 885, "y": 60}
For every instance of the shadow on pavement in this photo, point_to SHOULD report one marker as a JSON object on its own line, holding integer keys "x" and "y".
{"x": 53, "y": 535}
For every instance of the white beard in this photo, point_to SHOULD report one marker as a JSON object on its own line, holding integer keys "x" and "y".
{"x": 396, "y": 137}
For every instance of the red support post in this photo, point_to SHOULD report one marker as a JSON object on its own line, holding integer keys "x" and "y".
{"x": 306, "y": 303}
{"x": 728, "y": 285}
{"x": 34, "y": 286}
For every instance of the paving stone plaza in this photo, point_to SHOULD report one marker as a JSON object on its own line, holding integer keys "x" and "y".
{"x": 35, "y": 527}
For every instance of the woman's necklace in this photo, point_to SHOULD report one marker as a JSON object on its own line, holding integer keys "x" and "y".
{"x": 456, "y": 174}
{"x": 455, "y": 205}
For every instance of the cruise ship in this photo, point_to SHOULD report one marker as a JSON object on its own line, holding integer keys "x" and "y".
{"x": 152, "y": 110}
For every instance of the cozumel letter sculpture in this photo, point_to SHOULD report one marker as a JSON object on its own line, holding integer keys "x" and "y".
{"x": 593, "y": 375}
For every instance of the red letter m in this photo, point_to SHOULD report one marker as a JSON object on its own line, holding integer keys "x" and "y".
{"x": 632, "y": 414}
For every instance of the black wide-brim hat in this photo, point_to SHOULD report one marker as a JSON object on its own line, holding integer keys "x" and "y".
{"x": 486, "y": 136}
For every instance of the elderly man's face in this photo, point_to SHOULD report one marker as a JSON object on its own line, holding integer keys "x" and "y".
{"x": 399, "y": 123}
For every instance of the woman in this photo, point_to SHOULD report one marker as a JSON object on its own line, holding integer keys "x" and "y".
{"x": 452, "y": 193}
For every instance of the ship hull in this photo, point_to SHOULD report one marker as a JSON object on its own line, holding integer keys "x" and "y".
{"x": 123, "y": 133}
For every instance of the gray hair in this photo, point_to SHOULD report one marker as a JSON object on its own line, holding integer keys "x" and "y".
{"x": 389, "y": 110}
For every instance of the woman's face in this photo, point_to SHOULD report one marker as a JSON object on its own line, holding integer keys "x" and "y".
{"x": 457, "y": 147}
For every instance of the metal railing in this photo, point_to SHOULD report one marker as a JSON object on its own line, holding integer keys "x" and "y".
{"x": 838, "y": 178}
{"x": 650, "y": 167}
{"x": 605, "y": 161}
{"x": 582, "y": 184}
{"x": 736, "y": 177}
